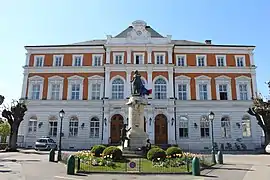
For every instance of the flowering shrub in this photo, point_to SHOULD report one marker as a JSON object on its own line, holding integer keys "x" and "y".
{"x": 97, "y": 150}
{"x": 114, "y": 152}
{"x": 155, "y": 154}
{"x": 172, "y": 151}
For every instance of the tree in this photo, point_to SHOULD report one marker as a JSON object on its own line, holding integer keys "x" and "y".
{"x": 4, "y": 130}
{"x": 14, "y": 116}
{"x": 261, "y": 110}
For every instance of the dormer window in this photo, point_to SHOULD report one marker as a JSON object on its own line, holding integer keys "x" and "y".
{"x": 77, "y": 60}
{"x": 39, "y": 61}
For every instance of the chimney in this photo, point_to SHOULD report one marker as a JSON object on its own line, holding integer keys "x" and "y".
{"x": 208, "y": 41}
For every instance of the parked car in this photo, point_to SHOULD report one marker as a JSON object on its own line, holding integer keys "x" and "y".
{"x": 45, "y": 143}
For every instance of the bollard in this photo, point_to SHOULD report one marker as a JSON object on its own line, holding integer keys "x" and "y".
{"x": 51, "y": 155}
{"x": 196, "y": 166}
{"x": 71, "y": 165}
{"x": 220, "y": 157}
{"x": 79, "y": 164}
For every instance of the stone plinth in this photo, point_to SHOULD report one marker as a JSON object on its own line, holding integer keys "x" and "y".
{"x": 136, "y": 135}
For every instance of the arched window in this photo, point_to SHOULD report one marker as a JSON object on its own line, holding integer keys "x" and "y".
{"x": 204, "y": 123}
{"x": 118, "y": 89}
{"x": 73, "y": 126}
{"x": 160, "y": 89}
{"x": 246, "y": 126}
{"x": 32, "y": 125}
{"x": 53, "y": 126}
{"x": 183, "y": 127}
{"x": 225, "y": 127}
{"x": 94, "y": 127}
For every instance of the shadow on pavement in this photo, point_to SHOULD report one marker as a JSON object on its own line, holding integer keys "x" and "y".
{"x": 210, "y": 176}
{"x": 79, "y": 174}
{"x": 237, "y": 169}
{"x": 15, "y": 160}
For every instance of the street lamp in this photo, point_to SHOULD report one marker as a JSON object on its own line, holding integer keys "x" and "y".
{"x": 61, "y": 115}
{"x": 211, "y": 117}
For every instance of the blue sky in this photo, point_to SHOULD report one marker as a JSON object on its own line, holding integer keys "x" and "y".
{"x": 32, "y": 22}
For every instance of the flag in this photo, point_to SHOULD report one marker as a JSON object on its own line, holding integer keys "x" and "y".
{"x": 145, "y": 91}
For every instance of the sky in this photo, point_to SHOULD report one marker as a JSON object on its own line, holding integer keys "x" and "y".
{"x": 40, "y": 22}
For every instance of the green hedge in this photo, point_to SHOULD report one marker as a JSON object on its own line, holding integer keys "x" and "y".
{"x": 97, "y": 150}
{"x": 155, "y": 153}
{"x": 172, "y": 151}
{"x": 114, "y": 151}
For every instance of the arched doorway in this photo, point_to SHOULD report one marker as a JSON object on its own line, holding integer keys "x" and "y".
{"x": 117, "y": 122}
{"x": 161, "y": 132}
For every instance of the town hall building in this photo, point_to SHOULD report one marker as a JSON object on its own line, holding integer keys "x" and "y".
{"x": 90, "y": 81}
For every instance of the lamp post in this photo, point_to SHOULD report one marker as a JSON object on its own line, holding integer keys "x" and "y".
{"x": 211, "y": 117}
{"x": 61, "y": 115}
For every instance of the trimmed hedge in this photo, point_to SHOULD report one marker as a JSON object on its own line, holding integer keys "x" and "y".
{"x": 172, "y": 151}
{"x": 155, "y": 153}
{"x": 97, "y": 150}
{"x": 154, "y": 146}
{"x": 114, "y": 151}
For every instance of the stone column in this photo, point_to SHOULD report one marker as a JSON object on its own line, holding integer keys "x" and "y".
{"x": 107, "y": 86}
{"x": 170, "y": 61}
{"x": 251, "y": 56}
{"x": 254, "y": 83}
{"x": 128, "y": 74}
{"x": 24, "y": 86}
{"x": 128, "y": 56}
{"x": 170, "y": 88}
{"x": 149, "y": 79}
{"x": 27, "y": 59}
{"x": 108, "y": 56}
{"x": 149, "y": 56}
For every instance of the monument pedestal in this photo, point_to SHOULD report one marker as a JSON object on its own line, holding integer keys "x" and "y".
{"x": 136, "y": 135}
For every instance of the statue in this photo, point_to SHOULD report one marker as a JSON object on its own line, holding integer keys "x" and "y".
{"x": 138, "y": 88}
{"x": 124, "y": 135}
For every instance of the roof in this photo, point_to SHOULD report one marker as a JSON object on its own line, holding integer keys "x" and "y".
{"x": 154, "y": 34}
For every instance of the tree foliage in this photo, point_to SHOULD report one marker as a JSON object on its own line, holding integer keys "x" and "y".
{"x": 4, "y": 130}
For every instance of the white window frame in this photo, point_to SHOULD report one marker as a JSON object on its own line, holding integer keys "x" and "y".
{"x": 95, "y": 80}
{"x": 35, "y": 80}
{"x": 124, "y": 91}
{"x": 224, "y": 60}
{"x": 185, "y": 125}
{"x": 167, "y": 85}
{"x": 183, "y": 80}
{"x": 203, "y": 80}
{"x": 71, "y": 133}
{"x": 243, "y": 80}
{"x": 55, "y": 80}
{"x": 35, "y": 60}
{"x": 57, "y": 56}
{"x": 244, "y": 60}
{"x": 94, "y": 127}
{"x": 54, "y": 128}
{"x": 245, "y": 119}
{"x": 75, "y": 80}
{"x": 33, "y": 126}
{"x": 205, "y": 60}
{"x": 93, "y": 59}
{"x": 226, "y": 131}
{"x": 118, "y": 54}
{"x": 74, "y": 58}
{"x": 220, "y": 80}
{"x": 183, "y": 56}
{"x": 160, "y": 54}
{"x": 206, "y": 122}
{"x": 139, "y": 54}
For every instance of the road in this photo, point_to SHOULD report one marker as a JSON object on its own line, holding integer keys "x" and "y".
{"x": 19, "y": 166}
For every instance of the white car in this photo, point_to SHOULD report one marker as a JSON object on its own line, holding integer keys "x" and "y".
{"x": 45, "y": 143}
{"x": 267, "y": 148}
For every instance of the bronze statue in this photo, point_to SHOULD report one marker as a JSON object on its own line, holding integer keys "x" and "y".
{"x": 136, "y": 83}
{"x": 124, "y": 135}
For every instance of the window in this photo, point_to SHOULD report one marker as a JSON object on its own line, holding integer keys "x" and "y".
{"x": 160, "y": 59}
{"x": 96, "y": 91}
{"x": 73, "y": 126}
{"x": 181, "y": 60}
{"x": 39, "y": 61}
{"x": 75, "y": 91}
{"x": 203, "y": 91}
{"x": 118, "y": 89}
{"x": 246, "y": 126}
{"x": 58, "y": 60}
{"x": 225, "y": 127}
{"x": 201, "y": 60}
{"x": 94, "y": 128}
{"x": 138, "y": 58}
{"x": 53, "y": 127}
{"x": 118, "y": 58}
{"x": 204, "y": 123}
{"x": 221, "y": 61}
{"x": 160, "y": 89}
{"x": 240, "y": 61}
{"x": 223, "y": 92}
{"x": 182, "y": 91}
{"x": 32, "y": 125}
{"x": 97, "y": 60}
{"x": 55, "y": 92}
{"x": 35, "y": 91}
{"x": 77, "y": 60}
{"x": 243, "y": 91}
{"x": 183, "y": 127}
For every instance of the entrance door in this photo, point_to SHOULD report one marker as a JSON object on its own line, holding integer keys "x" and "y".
{"x": 161, "y": 132}
{"x": 117, "y": 122}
